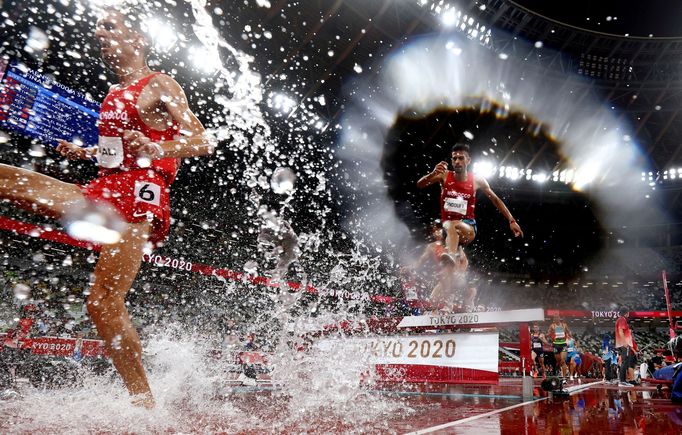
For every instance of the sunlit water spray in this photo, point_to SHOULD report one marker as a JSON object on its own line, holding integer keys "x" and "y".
{"x": 185, "y": 380}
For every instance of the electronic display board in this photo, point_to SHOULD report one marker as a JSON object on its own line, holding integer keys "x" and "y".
{"x": 36, "y": 106}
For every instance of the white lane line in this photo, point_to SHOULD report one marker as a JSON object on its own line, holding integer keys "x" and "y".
{"x": 571, "y": 390}
{"x": 577, "y": 388}
{"x": 472, "y": 418}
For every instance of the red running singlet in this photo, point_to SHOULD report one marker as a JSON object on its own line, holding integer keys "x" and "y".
{"x": 457, "y": 198}
{"x": 137, "y": 193}
{"x": 119, "y": 113}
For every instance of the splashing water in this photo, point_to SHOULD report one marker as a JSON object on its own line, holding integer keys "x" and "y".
{"x": 327, "y": 379}
{"x": 97, "y": 224}
{"x": 21, "y": 291}
{"x": 182, "y": 377}
{"x": 187, "y": 383}
{"x": 282, "y": 181}
{"x": 184, "y": 380}
{"x": 279, "y": 242}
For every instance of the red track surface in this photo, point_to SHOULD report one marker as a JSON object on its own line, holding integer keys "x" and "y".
{"x": 499, "y": 409}
{"x": 598, "y": 409}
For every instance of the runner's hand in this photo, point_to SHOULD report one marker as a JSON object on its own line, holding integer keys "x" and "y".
{"x": 440, "y": 169}
{"x": 516, "y": 229}
{"x": 141, "y": 145}
{"x": 71, "y": 151}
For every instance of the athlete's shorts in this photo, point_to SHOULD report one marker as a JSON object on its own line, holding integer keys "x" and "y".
{"x": 576, "y": 358}
{"x": 138, "y": 195}
{"x": 559, "y": 347}
{"x": 470, "y": 222}
{"x": 628, "y": 357}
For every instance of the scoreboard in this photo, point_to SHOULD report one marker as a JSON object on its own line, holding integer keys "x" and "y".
{"x": 36, "y": 106}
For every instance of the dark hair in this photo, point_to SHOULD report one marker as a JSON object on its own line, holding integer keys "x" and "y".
{"x": 460, "y": 147}
{"x": 623, "y": 311}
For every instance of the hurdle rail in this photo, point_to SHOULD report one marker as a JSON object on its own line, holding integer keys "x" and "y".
{"x": 397, "y": 344}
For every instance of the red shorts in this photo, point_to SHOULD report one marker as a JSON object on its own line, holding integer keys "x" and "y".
{"x": 135, "y": 194}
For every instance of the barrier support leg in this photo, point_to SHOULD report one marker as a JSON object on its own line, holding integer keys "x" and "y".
{"x": 524, "y": 347}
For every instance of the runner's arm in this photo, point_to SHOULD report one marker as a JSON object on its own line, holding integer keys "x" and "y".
{"x": 196, "y": 143}
{"x": 75, "y": 152}
{"x": 435, "y": 176}
{"x": 482, "y": 184}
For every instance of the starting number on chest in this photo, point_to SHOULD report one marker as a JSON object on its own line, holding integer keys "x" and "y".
{"x": 456, "y": 205}
{"x": 147, "y": 192}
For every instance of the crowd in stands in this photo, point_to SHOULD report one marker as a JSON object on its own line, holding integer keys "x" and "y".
{"x": 590, "y": 295}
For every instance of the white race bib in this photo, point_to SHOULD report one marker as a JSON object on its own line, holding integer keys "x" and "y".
{"x": 147, "y": 192}
{"x": 456, "y": 205}
{"x": 110, "y": 152}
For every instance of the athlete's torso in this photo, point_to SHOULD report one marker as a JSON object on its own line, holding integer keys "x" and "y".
{"x": 536, "y": 342}
{"x": 119, "y": 112}
{"x": 457, "y": 198}
{"x": 559, "y": 334}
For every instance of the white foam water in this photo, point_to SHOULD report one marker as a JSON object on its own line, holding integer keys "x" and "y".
{"x": 182, "y": 379}
{"x": 316, "y": 389}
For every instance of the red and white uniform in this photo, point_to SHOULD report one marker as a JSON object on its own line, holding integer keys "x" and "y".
{"x": 624, "y": 334}
{"x": 457, "y": 198}
{"x": 134, "y": 191}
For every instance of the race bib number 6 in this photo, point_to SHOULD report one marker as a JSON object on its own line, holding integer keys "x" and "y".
{"x": 147, "y": 192}
{"x": 456, "y": 205}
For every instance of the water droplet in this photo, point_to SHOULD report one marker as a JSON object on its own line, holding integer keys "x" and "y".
{"x": 116, "y": 342}
{"x": 251, "y": 267}
{"x": 282, "y": 180}
{"x": 21, "y": 291}
{"x": 144, "y": 162}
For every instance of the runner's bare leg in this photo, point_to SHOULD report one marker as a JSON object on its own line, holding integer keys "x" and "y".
{"x": 115, "y": 272}
{"x": 38, "y": 193}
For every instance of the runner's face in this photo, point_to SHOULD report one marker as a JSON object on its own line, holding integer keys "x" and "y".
{"x": 116, "y": 38}
{"x": 460, "y": 161}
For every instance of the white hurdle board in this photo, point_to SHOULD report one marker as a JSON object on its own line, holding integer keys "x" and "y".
{"x": 482, "y": 318}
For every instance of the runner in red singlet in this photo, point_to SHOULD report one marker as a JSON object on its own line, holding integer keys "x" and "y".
{"x": 138, "y": 154}
{"x": 433, "y": 250}
{"x": 458, "y": 203}
{"x": 458, "y": 200}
